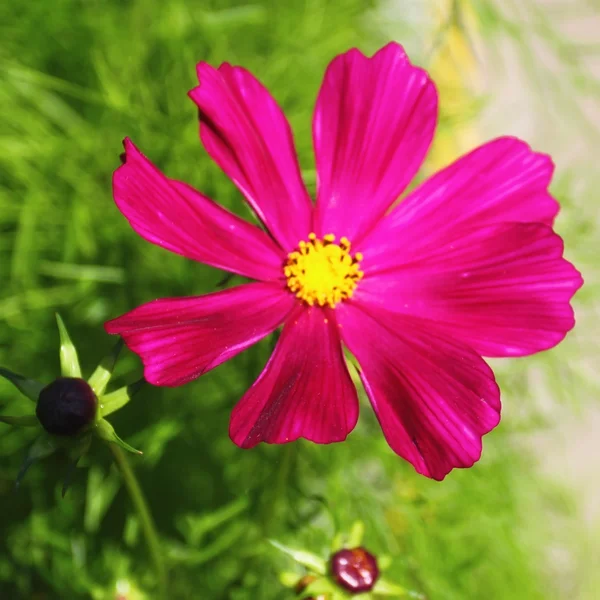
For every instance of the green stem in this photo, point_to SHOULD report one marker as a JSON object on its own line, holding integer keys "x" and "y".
{"x": 144, "y": 515}
{"x": 272, "y": 505}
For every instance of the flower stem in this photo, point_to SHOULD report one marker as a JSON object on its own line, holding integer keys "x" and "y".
{"x": 144, "y": 515}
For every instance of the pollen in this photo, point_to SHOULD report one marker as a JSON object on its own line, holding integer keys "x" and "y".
{"x": 323, "y": 272}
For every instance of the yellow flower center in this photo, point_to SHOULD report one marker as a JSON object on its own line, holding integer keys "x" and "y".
{"x": 323, "y": 272}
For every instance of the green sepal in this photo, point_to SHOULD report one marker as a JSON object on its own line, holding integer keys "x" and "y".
{"x": 24, "y": 421}
{"x": 356, "y": 534}
{"x": 307, "y": 559}
{"x": 69, "y": 363}
{"x": 28, "y": 387}
{"x": 106, "y": 431}
{"x": 101, "y": 376}
{"x": 44, "y": 446}
{"x": 387, "y": 588}
{"x": 289, "y": 579}
{"x": 323, "y": 586}
{"x": 119, "y": 398}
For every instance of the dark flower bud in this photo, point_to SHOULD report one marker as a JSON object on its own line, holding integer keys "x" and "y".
{"x": 355, "y": 569}
{"x": 66, "y": 406}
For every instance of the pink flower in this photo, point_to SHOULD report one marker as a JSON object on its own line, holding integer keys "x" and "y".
{"x": 466, "y": 265}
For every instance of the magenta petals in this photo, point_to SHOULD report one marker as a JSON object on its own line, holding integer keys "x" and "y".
{"x": 173, "y": 215}
{"x": 304, "y": 391}
{"x": 501, "y": 181}
{"x": 179, "y": 339}
{"x": 434, "y": 397}
{"x": 465, "y": 265}
{"x": 373, "y": 124}
{"x": 247, "y": 134}
{"x": 503, "y": 289}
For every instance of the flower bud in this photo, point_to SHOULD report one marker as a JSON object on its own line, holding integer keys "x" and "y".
{"x": 66, "y": 406}
{"x": 354, "y": 569}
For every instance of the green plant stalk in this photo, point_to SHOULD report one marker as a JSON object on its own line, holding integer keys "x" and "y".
{"x": 146, "y": 520}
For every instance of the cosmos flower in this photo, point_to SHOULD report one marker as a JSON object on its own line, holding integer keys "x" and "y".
{"x": 466, "y": 265}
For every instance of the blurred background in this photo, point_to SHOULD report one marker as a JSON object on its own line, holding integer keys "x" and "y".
{"x": 79, "y": 75}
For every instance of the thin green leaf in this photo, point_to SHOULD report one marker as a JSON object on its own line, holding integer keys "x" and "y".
{"x": 289, "y": 579}
{"x": 356, "y": 534}
{"x": 24, "y": 421}
{"x": 387, "y": 588}
{"x": 303, "y": 557}
{"x": 101, "y": 492}
{"x": 42, "y": 447}
{"x": 106, "y": 431}
{"x": 195, "y": 527}
{"x": 119, "y": 398}
{"x": 69, "y": 363}
{"x": 101, "y": 376}
{"x": 28, "y": 387}
{"x": 323, "y": 587}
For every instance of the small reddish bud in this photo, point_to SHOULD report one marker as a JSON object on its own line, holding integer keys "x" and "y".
{"x": 355, "y": 569}
{"x": 66, "y": 406}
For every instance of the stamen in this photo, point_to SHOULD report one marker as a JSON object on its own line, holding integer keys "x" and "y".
{"x": 323, "y": 272}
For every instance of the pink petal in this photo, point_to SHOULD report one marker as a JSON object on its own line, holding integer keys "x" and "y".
{"x": 304, "y": 391}
{"x": 173, "y": 215}
{"x": 501, "y": 181}
{"x": 373, "y": 124}
{"x": 434, "y": 397}
{"x": 179, "y": 339}
{"x": 503, "y": 289}
{"x": 247, "y": 134}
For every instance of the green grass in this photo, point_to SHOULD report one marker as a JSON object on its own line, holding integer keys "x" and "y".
{"x": 77, "y": 76}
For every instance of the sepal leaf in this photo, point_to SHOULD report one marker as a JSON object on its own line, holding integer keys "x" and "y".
{"x": 101, "y": 376}
{"x": 303, "y": 557}
{"x": 387, "y": 588}
{"x": 106, "y": 431}
{"x": 324, "y": 587}
{"x": 119, "y": 398}
{"x": 23, "y": 421}
{"x": 28, "y": 387}
{"x": 69, "y": 362}
{"x": 44, "y": 446}
{"x": 356, "y": 535}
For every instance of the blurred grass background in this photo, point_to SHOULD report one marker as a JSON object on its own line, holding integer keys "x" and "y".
{"x": 79, "y": 75}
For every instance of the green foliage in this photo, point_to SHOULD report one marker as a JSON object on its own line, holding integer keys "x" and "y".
{"x": 78, "y": 76}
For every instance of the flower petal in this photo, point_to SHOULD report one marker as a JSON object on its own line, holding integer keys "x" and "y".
{"x": 501, "y": 181}
{"x": 179, "y": 339}
{"x": 174, "y": 216}
{"x": 373, "y": 124}
{"x": 304, "y": 391}
{"x": 434, "y": 397}
{"x": 248, "y": 136}
{"x": 503, "y": 289}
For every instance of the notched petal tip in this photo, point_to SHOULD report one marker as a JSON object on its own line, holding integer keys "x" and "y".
{"x": 179, "y": 339}
{"x": 373, "y": 124}
{"x": 305, "y": 390}
{"x": 246, "y": 133}
{"x": 434, "y": 397}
